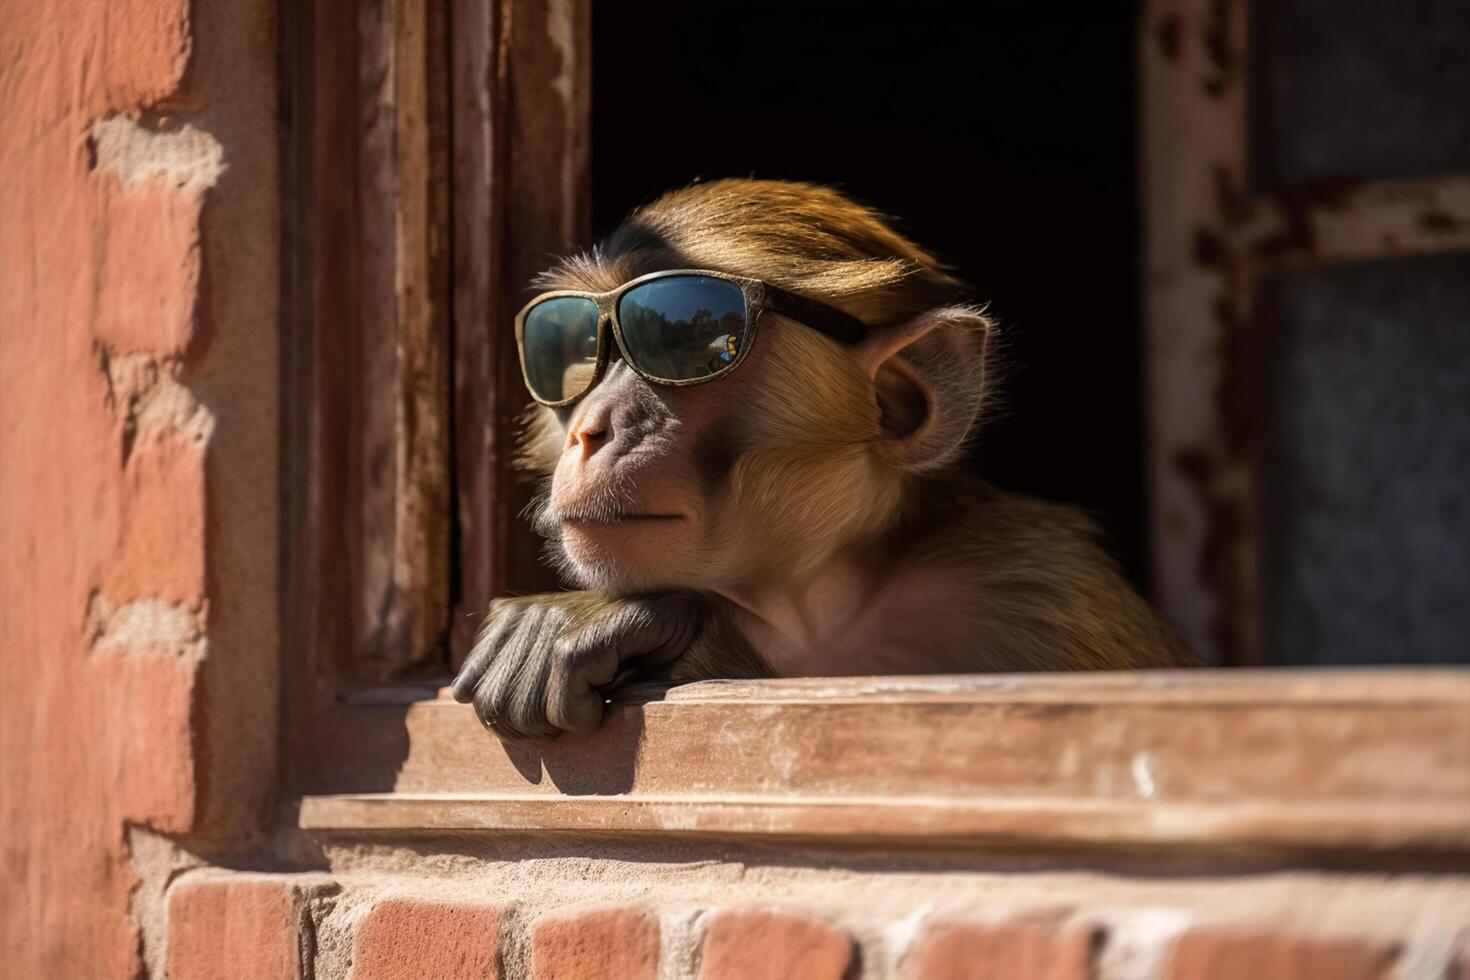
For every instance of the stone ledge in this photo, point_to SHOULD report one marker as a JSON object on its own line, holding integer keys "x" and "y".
{"x": 1301, "y": 760}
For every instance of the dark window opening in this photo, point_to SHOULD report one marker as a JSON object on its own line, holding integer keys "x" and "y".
{"x": 1001, "y": 134}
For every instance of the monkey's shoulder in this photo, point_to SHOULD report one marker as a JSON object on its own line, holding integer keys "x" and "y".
{"x": 1034, "y": 585}
{"x": 968, "y": 520}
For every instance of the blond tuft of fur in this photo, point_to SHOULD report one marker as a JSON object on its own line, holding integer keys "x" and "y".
{"x": 803, "y": 237}
{"x": 539, "y": 443}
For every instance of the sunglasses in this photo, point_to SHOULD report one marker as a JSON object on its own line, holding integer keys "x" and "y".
{"x": 682, "y": 327}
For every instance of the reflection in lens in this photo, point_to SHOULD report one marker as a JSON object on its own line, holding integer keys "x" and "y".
{"x": 683, "y": 327}
{"x": 559, "y": 347}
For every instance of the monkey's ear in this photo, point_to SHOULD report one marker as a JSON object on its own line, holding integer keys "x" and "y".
{"x": 930, "y": 378}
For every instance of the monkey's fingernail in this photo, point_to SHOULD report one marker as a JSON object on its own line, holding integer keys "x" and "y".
{"x": 463, "y": 689}
{"x": 623, "y": 676}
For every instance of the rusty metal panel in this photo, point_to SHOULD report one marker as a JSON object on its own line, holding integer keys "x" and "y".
{"x": 1365, "y": 474}
{"x": 1196, "y": 302}
{"x": 1209, "y": 239}
{"x": 1346, "y": 222}
{"x": 1358, "y": 90}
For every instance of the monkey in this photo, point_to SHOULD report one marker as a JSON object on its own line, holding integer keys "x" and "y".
{"x": 805, "y": 512}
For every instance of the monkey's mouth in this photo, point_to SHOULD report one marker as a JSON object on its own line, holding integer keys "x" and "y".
{"x": 612, "y": 520}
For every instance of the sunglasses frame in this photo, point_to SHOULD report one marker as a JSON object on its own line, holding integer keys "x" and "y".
{"x": 759, "y": 297}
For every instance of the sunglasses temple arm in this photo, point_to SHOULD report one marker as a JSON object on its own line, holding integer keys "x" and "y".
{"x": 815, "y": 314}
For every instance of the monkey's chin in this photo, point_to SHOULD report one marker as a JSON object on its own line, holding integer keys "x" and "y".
{"x": 634, "y": 554}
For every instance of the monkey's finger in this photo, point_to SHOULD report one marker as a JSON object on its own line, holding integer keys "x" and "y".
{"x": 622, "y": 678}
{"x": 463, "y": 687}
{"x": 509, "y": 697}
{"x": 574, "y": 694}
{"x": 652, "y": 630}
{"x": 658, "y": 629}
{"x": 478, "y": 661}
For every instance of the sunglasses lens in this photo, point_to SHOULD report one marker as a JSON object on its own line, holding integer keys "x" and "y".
{"x": 683, "y": 327}
{"x": 559, "y": 347}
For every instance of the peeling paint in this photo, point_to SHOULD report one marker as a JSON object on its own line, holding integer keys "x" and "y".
{"x": 561, "y": 32}
{"x": 1342, "y": 220}
{"x": 1169, "y": 33}
{"x": 188, "y": 156}
{"x": 1217, "y": 33}
{"x": 1143, "y": 776}
{"x": 1440, "y": 222}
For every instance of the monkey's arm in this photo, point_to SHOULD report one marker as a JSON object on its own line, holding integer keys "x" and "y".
{"x": 543, "y": 663}
{"x": 720, "y": 651}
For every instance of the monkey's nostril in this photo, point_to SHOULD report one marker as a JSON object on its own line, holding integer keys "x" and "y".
{"x": 591, "y": 440}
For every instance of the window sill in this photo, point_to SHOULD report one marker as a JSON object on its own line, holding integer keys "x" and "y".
{"x": 1297, "y": 760}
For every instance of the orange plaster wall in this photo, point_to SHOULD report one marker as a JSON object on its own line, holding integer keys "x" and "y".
{"x": 116, "y": 434}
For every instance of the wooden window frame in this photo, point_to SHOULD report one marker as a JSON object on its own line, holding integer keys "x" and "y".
{"x": 435, "y": 157}
{"x": 1281, "y": 762}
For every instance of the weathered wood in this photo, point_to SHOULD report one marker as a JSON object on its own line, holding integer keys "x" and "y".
{"x": 1339, "y": 759}
{"x": 522, "y": 89}
{"x": 321, "y": 234}
{"x": 475, "y": 39}
{"x": 416, "y": 608}
{"x": 368, "y": 340}
{"x": 1034, "y": 824}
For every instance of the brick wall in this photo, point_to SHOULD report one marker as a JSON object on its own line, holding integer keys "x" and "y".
{"x": 138, "y": 214}
{"x": 140, "y": 661}
{"x": 301, "y": 926}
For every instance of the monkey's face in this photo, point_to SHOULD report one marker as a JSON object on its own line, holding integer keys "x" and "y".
{"x": 763, "y": 472}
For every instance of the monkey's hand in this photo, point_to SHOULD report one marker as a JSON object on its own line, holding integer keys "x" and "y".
{"x": 544, "y": 663}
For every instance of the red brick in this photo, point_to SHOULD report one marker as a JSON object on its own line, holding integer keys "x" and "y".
{"x": 161, "y": 547}
{"x": 89, "y": 57}
{"x": 245, "y": 926}
{"x": 1226, "y": 954}
{"x": 146, "y": 48}
{"x": 619, "y": 944}
{"x": 150, "y": 268}
{"x": 1037, "y": 949}
{"x": 774, "y": 946}
{"x": 410, "y": 939}
{"x": 150, "y": 696}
